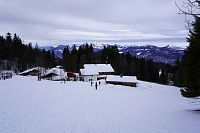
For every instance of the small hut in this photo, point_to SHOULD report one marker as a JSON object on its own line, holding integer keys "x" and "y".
{"x": 99, "y": 70}
{"x": 55, "y": 74}
{"x": 71, "y": 76}
{"x": 6, "y": 74}
{"x": 88, "y": 74}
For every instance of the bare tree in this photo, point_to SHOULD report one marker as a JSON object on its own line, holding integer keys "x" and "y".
{"x": 189, "y": 8}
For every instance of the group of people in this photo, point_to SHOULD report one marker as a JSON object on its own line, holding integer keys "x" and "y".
{"x": 96, "y": 84}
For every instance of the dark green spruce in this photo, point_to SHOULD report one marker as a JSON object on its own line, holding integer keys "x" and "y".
{"x": 191, "y": 62}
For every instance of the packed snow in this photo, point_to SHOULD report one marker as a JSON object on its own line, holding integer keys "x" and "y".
{"x": 31, "y": 106}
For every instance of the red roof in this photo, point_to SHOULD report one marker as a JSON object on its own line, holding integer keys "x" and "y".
{"x": 71, "y": 74}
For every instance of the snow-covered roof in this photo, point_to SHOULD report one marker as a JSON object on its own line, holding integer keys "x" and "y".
{"x": 32, "y": 69}
{"x": 87, "y": 71}
{"x": 58, "y": 66}
{"x": 118, "y": 78}
{"x": 99, "y": 67}
{"x": 56, "y": 71}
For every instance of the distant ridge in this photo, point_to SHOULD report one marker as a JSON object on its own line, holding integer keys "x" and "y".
{"x": 167, "y": 54}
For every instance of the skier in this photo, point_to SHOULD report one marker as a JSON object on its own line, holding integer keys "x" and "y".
{"x": 99, "y": 83}
{"x": 91, "y": 83}
{"x": 96, "y": 85}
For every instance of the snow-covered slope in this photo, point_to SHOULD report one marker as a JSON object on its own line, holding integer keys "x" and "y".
{"x": 29, "y": 106}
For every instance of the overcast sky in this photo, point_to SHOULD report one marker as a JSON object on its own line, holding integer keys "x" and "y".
{"x": 49, "y": 21}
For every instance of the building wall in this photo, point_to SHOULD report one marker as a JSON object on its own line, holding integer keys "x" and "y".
{"x": 106, "y": 73}
{"x": 132, "y": 84}
{"x": 88, "y": 78}
{"x": 33, "y": 73}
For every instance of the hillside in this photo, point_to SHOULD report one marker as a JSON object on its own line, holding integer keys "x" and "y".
{"x": 29, "y": 106}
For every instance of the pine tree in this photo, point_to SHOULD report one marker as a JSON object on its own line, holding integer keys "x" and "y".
{"x": 178, "y": 74}
{"x": 65, "y": 58}
{"x": 191, "y": 62}
{"x": 73, "y": 59}
{"x": 53, "y": 59}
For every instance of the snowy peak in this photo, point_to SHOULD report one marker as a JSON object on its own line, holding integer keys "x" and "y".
{"x": 167, "y": 54}
{"x": 164, "y": 54}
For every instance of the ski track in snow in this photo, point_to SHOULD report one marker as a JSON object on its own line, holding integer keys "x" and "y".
{"x": 29, "y": 106}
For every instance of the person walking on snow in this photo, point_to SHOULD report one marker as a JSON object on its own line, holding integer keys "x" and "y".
{"x": 96, "y": 85}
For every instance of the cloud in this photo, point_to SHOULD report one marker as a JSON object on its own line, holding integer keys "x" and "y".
{"x": 60, "y": 20}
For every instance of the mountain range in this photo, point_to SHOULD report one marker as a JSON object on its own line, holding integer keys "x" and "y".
{"x": 166, "y": 54}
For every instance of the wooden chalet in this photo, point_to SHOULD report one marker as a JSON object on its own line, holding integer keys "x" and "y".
{"x": 96, "y": 71}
